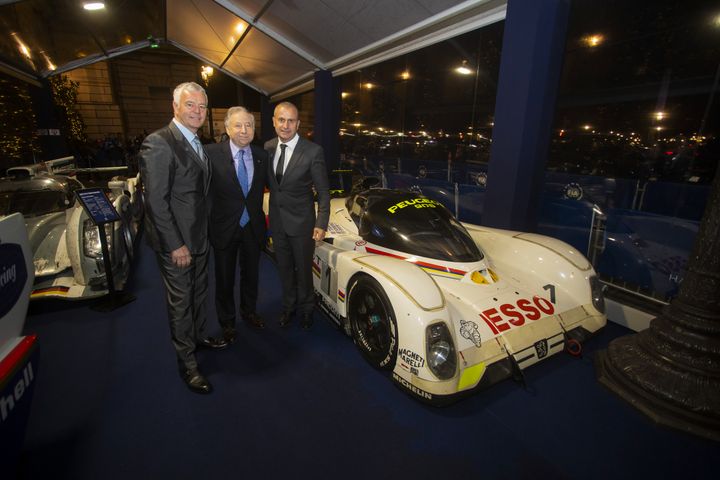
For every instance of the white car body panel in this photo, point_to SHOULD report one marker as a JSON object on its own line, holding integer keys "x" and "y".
{"x": 510, "y": 309}
{"x": 62, "y": 269}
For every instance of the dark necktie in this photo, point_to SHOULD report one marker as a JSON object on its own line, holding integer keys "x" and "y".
{"x": 280, "y": 164}
{"x": 242, "y": 176}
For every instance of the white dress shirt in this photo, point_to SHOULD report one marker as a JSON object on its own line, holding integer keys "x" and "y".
{"x": 288, "y": 152}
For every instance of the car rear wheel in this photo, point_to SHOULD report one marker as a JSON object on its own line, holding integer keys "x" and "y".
{"x": 373, "y": 323}
{"x": 127, "y": 239}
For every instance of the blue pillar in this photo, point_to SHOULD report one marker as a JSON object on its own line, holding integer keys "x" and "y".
{"x": 266, "y": 113}
{"x": 532, "y": 55}
{"x": 327, "y": 117}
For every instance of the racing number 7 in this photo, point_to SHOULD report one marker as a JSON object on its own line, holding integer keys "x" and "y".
{"x": 550, "y": 287}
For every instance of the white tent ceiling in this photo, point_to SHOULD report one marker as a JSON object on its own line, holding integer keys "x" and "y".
{"x": 274, "y": 46}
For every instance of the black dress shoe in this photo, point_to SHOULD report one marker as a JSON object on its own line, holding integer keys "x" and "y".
{"x": 254, "y": 320}
{"x": 195, "y": 381}
{"x": 285, "y": 319}
{"x": 212, "y": 343}
{"x": 306, "y": 321}
{"x": 229, "y": 335}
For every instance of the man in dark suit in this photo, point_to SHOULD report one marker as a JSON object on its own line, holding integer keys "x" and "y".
{"x": 296, "y": 167}
{"x": 237, "y": 221}
{"x": 176, "y": 178}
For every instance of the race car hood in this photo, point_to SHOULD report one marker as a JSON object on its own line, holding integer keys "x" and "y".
{"x": 483, "y": 312}
{"x": 47, "y": 241}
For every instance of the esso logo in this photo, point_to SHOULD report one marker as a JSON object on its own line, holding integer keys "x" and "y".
{"x": 508, "y": 315}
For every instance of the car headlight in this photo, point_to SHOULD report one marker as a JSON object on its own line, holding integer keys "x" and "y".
{"x": 91, "y": 240}
{"x": 441, "y": 357}
{"x": 597, "y": 290}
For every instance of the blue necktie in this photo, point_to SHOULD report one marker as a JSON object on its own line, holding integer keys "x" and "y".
{"x": 243, "y": 179}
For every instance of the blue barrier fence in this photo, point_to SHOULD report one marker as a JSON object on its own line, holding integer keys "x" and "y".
{"x": 649, "y": 227}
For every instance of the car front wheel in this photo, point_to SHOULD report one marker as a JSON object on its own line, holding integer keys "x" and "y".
{"x": 373, "y": 323}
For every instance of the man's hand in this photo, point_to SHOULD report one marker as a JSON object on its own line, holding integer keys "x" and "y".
{"x": 181, "y": 257}
{"x": 318, "y": 234}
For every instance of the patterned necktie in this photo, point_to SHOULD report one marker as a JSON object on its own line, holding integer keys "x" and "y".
{"x": 243, "y": 180}
{"x": 281, "y": 163}
{"x": 199, "y": 149}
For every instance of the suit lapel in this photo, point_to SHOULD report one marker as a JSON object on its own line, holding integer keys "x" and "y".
{"x": 229, "y": 167}
{"x": 185, "y": 146}
{"x": 272, "y": 146}
{"x": 257, "y": 165}
{"x": 295, "y": 158}
{"x": 190, "y": 153}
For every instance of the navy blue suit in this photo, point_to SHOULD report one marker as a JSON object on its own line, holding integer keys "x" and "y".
{"x": 234, "y": 245}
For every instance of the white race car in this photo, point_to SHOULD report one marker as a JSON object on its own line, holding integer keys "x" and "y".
{"x": 65, "y": 243}
{"x": 449, "y": 308}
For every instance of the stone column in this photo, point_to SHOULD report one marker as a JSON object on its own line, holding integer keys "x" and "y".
{"x": 671, "y": 371}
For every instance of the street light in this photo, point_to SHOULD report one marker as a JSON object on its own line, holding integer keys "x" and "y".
{"x": 206, "y": 72}
{"x": 463, "y": 69}
{"x": 90, "y": 6}
{"x": 593, "y": 40}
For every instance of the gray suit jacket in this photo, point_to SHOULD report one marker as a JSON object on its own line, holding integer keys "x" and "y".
{"x": 175, "y": 186}
{"x": 292, "y": 207}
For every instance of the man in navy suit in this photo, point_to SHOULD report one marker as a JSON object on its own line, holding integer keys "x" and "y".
{"x": 176, "y": 178}
{"x": 296, "y": 167}
{"x": 237, "y": 221}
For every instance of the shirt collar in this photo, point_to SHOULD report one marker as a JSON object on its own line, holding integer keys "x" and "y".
{"x": 292, "y": 143}
{"x": 234, "y": 149}
{"x": 189, "y": 136}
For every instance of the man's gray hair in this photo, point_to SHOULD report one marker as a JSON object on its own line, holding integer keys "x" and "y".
{"x": 235, "y": 110}
{"x": 187, "y": 87}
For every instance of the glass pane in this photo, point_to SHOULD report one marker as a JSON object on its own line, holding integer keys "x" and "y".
{"x": 635, "y": 135}
{"x": 425, "y": 112}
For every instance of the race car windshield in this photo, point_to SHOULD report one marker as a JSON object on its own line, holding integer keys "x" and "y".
{"x": 33, "y": 203}
{"x": 418, "y": 226}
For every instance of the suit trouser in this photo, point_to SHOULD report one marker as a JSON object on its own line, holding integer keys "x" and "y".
{"x": 226, "y": 261}
{"x": 186, "y": 290}
{"x": 294, "y": 256}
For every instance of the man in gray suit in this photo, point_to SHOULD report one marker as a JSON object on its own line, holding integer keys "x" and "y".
{"x": 296, "y": 167}
{"x": 176, "y": 177}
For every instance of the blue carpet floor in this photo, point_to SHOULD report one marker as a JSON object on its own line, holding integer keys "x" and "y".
{"x": 109, "y": 404}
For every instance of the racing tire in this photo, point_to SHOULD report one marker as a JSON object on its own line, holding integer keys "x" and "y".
{"x": 127, "y": 240}
{"x": 373, "y": 323}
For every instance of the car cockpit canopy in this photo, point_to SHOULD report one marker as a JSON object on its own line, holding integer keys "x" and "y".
{"x": 411, "y": 223}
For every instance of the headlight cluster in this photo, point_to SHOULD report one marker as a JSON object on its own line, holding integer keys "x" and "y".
{"x": 598, "y": 295}
{"x": 441, "y": 357}
{"x": 91, "y": 239}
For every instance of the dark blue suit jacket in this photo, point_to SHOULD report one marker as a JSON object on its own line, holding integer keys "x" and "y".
{"x": 227, "y": 197}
